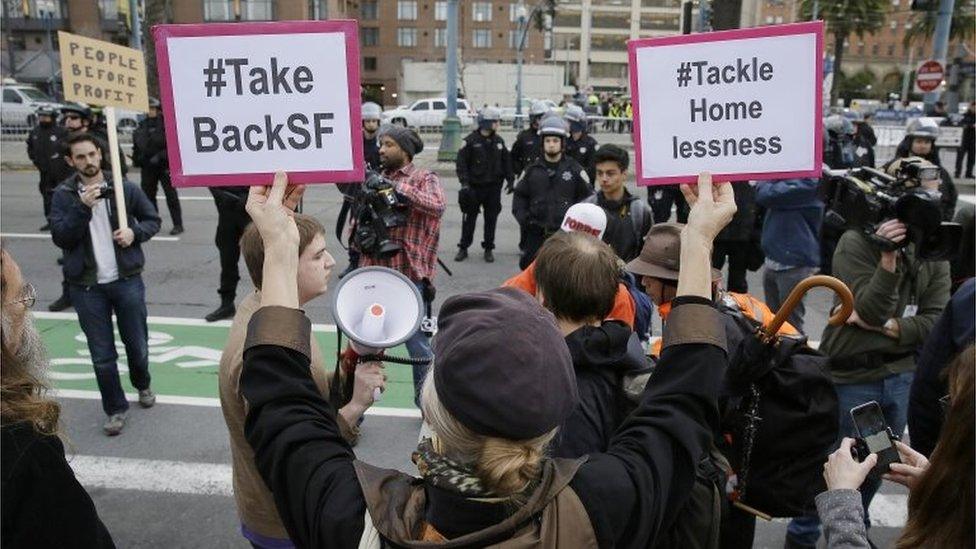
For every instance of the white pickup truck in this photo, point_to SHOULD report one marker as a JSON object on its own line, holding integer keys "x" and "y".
{"x": 20, "y": 104}
{"x": 424, "y": 113}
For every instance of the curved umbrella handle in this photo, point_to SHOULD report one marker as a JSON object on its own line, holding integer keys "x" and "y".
{"x": 841, "y": 289}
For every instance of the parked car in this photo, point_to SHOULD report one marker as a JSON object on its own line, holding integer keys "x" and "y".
{"x": 429, "y": 113}
{"x": 20, "y": 104}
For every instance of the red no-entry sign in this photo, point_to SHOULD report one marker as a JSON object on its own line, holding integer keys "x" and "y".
{"x": 929, "y": 76}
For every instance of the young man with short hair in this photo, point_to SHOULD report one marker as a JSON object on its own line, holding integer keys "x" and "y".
{"x": 628, "y": 218}
{"x": 103, "y": 265}
{"x": 577, "y": 277}
{"x": 260, "y": 522}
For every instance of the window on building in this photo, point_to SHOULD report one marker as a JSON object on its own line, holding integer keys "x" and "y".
{"x": 370, "y": 36}
{"x": 109, "y": 8}
{"x": 661, "y": 3}
{"x": 407, "y": 37}
{"x": 440, "y": 11}
{"x": 513, "y": 12}
{"x": 481, "y": 38}
{"x": 257, "y": 10}
{"x": 218, "y": 10}
{"x": 368, "y": 10}
{"x": 567, "y": 41}
{"x": 769, "y": 19}
{"x": 908, "y": 25}
{"x": 611, "y": 21}
{"x": 891, "y": 50}
{"x": 894, "y": 25}
{"x": 440, "y": 38}
{"x": 895, "y": 2}
{"x": 369, "y": 63}
{"x": 860, "y": 49}
{"x": 481, "y": 11}
{"x": 779, "y": 19}
{"x": 407, "y": 10}
{"x": 608, "y": 70}
{"x": 663, "y": 21}
{"x": 566, "y": 20}
{"x": 608, "y": 42}
{"x": 875, "y": 49}
{"x": 513, "y": 38}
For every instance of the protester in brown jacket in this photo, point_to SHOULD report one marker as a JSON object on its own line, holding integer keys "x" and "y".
{"x": 260, "y": 523}
{"x": 501, "y": 384}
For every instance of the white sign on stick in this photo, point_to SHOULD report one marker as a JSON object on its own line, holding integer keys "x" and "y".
{"x": 742, "y": 104}
{"x": 244, "y": 100}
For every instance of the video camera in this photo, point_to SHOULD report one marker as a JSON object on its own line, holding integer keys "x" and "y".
{"x": 862, "y": 198}
{"x": 377, "y": 208}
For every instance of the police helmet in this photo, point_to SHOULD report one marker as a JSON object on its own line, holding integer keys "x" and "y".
{"x": 554, "y": 125}
{"x": 79, "y": 109}
{"x": 838, "y": 124}
{"x": 154, "y": 103}
{"x": 47, "y": 110}
{"x": 923, "y": 127}
{"x": 537, "y": 109}
{"x": 371, "y": 111}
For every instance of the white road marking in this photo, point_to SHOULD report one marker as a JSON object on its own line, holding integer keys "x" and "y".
{"x": 968, "y": 198}
{"x": 214, "y": 479}
{"x": 47, "y": 236}
{"x": 152, "y": 475}
{"x": 210, "y": 402}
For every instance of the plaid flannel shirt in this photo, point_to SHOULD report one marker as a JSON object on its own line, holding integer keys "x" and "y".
{"x": 420, "y": 235}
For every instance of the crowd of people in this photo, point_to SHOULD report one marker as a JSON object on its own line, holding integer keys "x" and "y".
{"x": 554, "y": 419}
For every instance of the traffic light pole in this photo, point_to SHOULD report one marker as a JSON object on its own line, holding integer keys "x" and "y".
{"x": 451, "y": 130}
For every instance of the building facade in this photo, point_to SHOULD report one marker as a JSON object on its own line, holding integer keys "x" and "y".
{"x": 590, "y": 37}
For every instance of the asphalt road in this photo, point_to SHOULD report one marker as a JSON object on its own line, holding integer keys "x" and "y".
{"x": 164, "y": 482}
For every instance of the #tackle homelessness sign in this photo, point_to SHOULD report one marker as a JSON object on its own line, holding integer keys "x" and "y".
{"x": 743, "y": 104}
{"x": 242, "y": 100}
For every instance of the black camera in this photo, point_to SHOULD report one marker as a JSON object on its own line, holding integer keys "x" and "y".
{"x": 862, "y": 198}
{"x": 106, "y": 192}
{"x": 377, "y": 208}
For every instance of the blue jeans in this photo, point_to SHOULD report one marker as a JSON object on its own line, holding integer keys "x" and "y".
{"x": 892, "y": 394}
{"x": 418, "y": 346}
{"x": 95, "y": 305}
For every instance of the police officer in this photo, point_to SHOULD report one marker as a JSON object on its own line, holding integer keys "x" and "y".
{"x": 528, "y": 145}
{"x": 864, "y": 139}
{"x": 580, "y": 146}
{"x": 549, "y": 186}
{"x": 149, "y": 153}
{"x": 231, "y": 221}
{"x": 371, "y": 115}
{"x": 839, "y": 148}
{"x": 483, "y": 163}
{"x": 44, "y": 150}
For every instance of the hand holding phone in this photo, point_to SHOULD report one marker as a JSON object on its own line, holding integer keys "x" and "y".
{"x": 874, "y": 437}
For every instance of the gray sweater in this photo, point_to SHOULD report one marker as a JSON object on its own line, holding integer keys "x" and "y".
{"x": 842, "y": 516}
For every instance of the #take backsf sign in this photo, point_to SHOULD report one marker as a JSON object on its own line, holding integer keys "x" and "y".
{"x": 243, "y": 100}
{"x": 742, "y": 104}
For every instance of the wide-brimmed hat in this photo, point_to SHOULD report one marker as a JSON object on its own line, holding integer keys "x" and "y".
{"x": 661, "y": 255}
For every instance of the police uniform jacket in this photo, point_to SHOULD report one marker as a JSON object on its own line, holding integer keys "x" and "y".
{"x": 547, "y": 190}
{"x": 527, "y": 147}
{"x": 483, "y": 161}
{"x": 583, "y": 151}
{"x": 149, "y": 143}
{"x": 44, "y": 147}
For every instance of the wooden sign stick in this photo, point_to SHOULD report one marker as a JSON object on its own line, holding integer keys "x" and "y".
{"x": 116, "y": 157}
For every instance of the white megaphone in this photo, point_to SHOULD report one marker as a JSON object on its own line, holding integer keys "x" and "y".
{"x": 376, "y": 308}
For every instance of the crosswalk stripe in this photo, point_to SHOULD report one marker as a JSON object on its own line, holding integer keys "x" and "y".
{"x": 214, "y": 479}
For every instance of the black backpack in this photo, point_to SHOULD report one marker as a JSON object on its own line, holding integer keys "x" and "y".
{"x": 779, "y": 416}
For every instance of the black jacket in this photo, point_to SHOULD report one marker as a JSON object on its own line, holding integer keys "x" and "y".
{"x": 865, "y": 138}
{"x": 628, "y": 492}
{"x": 371, "y": 152}
{"x": 607, "y": 359}
{"x": 953, "y": 332}
{"x": 483, "y": 161}
{"x": 741, "y": 228}
{"x": 149, "y": 144}
{"x": 44, "y": 148}
{"x": 526, "y": 149}
{"x": 546, "y": 191}
{"x": 627, "y": 223}
{"x": 583, "y": 151}
{"x": 69, "y": 230}
{"x": 44, "y": 505}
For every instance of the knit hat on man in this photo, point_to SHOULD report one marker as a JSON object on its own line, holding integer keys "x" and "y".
{"x": 405, "y": 138}
{"x": 585, "y": 218}
{"x": 501, "y": 365}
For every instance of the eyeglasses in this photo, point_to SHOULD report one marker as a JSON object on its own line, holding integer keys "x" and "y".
{"x": 28, "y": 295}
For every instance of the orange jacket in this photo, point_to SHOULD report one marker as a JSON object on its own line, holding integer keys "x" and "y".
{"x": 623, "y": 304}
{"x": 750, "y": 307}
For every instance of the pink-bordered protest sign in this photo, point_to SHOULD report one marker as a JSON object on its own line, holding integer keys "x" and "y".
{"x": 742, "y": 104}
{"x": 243, "y": 100}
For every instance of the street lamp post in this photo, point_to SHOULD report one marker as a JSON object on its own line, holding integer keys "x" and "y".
{"x": 451, "y": 130}
{"x": 943, "y": 24}
{"x": 519, "y": 47}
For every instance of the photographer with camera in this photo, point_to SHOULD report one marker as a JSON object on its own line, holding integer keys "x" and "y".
{"x": 920, "y": 137}
{"x": 397, "y": 218}
{"x": 898, "y": 296}
{"x": 483, "y": 164}
{"x": 103, "y": 266}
